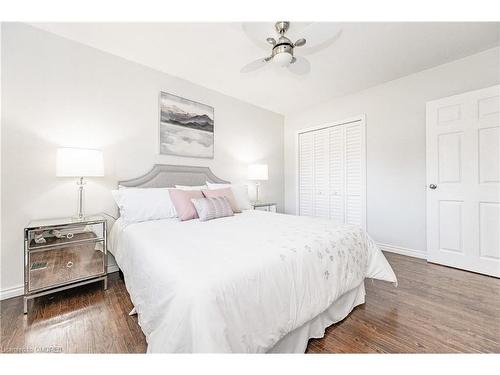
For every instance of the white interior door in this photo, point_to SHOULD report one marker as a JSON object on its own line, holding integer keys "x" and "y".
{"x": 463, "y": 181}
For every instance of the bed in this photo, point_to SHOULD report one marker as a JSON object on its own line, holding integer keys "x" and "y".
{"x": 255, "y": 282}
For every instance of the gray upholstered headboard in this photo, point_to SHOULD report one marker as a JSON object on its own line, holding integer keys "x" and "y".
{"x": 164, "y": 175}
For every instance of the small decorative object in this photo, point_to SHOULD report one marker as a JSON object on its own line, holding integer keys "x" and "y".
{"x": 57, "y": 233}
{"x": 186, "y": 127}
{"x": 258, "y": 172}
{"x": 39, "y": 238}
{"x": 79, "y": 162}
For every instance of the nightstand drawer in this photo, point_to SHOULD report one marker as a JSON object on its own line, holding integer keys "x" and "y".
{"x": 60, "y": 236}
{"x": 52, "y": 267}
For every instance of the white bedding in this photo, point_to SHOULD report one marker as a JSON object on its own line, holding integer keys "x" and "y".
{"x": 241, "y": 283}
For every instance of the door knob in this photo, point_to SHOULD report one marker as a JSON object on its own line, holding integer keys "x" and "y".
{"x": 432, "y": 186}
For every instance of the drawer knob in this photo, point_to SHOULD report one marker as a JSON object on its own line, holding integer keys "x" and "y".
{"x": 69, "y": 236}
{"x": 70, "y": 264}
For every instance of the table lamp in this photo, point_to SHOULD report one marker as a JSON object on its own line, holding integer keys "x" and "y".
{"x": 258, "y": 172}
{"x": 79, "y": 162}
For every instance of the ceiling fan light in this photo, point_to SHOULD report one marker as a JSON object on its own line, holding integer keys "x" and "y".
{"x": 283, "y": 59}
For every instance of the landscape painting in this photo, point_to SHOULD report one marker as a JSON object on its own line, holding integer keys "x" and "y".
{"x": 186, "y": 127}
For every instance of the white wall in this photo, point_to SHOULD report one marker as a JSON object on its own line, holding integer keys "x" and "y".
{"x": 395, "y": 126}
{"x": 1, "y": 54}
{"x": 60, "y": 93}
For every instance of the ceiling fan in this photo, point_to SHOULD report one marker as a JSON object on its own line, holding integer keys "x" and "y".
{"x": 282, "y": 52}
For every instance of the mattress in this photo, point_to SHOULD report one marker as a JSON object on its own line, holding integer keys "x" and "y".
{"x": 244, "y": 283}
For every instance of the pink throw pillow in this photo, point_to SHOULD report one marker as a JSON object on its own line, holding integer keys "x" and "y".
{"x": 181, "y": 200}
{"x": 226, "y": 192}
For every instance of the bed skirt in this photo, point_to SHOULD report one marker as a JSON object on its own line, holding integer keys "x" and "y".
{"x": 296, "y": 341}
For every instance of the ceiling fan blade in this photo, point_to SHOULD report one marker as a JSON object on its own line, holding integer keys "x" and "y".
{"x": 300, "y": 42}
{"x": 300, "y": 66}
{"x": 254, "y": 65}
{"x": 271, "y": 41}
{"x": 258, "y": 32}
{"x": 319, "y": 35}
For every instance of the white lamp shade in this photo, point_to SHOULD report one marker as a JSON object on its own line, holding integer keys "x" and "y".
{"x": 258, "y": 172}
{"x": 79, "y": 162}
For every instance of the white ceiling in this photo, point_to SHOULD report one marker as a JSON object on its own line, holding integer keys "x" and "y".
{"x": 211, "y": 54}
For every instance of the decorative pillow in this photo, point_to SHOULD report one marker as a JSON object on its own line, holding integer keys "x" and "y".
{"x": 137, "y": 204}
{"x": 185, "y": 187}
{"x": 240, "y": 193}
{"x": 182, "y": 203}
{"x": 226, "y": 192}
{"x": 212, "y": 208}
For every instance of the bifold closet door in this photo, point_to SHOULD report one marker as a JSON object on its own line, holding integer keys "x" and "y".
{"x": 336, "y": 178}
{"x": 314, "y": 174}
{"x": 306, "y": 174}
{"x": 332, "y": 173}
{"x": 354, "y": 167}
{"x": 321, "y": 205}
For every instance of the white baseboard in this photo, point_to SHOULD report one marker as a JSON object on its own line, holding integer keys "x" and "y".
{"x": 11, "y": 292}
{"x": 17, "y": 291}
{"x": 403, "y": 251}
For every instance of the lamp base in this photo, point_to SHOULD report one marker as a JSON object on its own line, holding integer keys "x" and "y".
{"x": 76, "y": 219}
{"x": 81, "y": 185}
{"x": 257, "y": 185}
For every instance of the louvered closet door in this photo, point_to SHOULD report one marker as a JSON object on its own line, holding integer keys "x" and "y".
{"x": 332, "y": 171}
{"x": 354, "y": 174}
{"x": 336, "y": 178}
{"x": 306, "y": 174}
{"x": 321, "y": 173}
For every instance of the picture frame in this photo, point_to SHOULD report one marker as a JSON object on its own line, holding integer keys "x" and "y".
{"x": 186, "y": 127}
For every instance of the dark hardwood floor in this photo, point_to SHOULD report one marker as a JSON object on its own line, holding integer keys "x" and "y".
{"x": 435, "y": 309}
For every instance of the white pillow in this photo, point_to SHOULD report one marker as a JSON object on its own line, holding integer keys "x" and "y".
{"x": 240, "y": 193}
{"x": 184, "y": 187}
{"x": 138, "y": 204}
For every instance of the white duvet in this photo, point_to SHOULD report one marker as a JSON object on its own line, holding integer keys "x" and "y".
{"x": 239, "y": 284}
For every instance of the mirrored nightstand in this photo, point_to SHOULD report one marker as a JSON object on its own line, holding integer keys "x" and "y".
{"x": 63, "y": 253}
{"x": 264, "y": 206}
